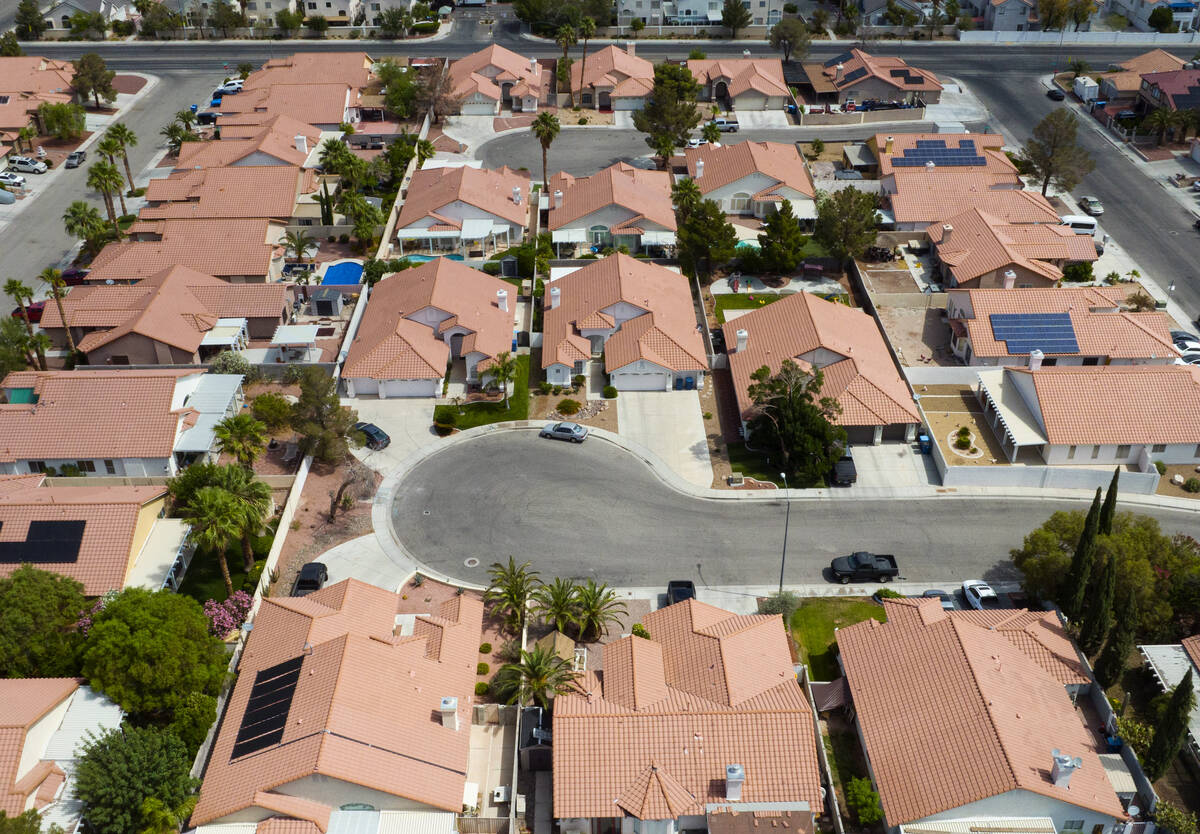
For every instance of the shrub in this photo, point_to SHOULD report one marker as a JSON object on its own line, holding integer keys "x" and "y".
{"x": 863, "y": 801}
{"x": 482, "y": 668}
{"x": 446, "y": 417}
{"x": 481, "y": 688}
{"x": 568, "y": 407}
{"x": 1078, "y": 273}
{"x": 331, "y": 239}
{"x": 963, "y": 431}
{"x": 1134, "y": 733}
{"x": 818, "y": 147}
{"x": 962, "y": 443}
{"x": 425, "y": 27}
{"x": 556, "y": 390}
{"x": 224, "y": 617}
{"x": 544, "y": 387}
{"x": 292, "y": 375}
{"x": 1161, "y": 467}
{"x": 1174, "y": 819}
{"x": 230, "y": 362}
{"x": 784, "y": 603}
{"x": 1192, "y": 485}
{"x": 707, "y": 415}
{"x": 492, "y": 268}
{"x": 790, "y": 8}
{"x": 583, "y": 120}
{"x": 610, "y": 392}
{"x": 272, "y": 409}
{"x": 888, "y": 593}
{"x": 578, "y": 381}
{"x": 485, "y": 648}
{"x": 343, "y": 238}
{"x": 639, "y": 630}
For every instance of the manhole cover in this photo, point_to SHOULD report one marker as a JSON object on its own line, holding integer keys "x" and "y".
{"x": 472, "y": 562}
{"x": 424, "y": 512}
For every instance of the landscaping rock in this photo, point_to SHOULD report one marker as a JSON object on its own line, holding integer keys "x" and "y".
{"x": 1177, "y": 480}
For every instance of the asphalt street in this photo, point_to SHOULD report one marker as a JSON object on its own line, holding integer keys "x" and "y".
{"x": 562, "y": 506}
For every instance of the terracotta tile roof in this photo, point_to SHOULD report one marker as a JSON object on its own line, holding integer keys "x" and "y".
{"x": 989, "y": 144}
{"x": 274, "y": 136}
{"x": 1184, "y": 83}
{"x": 725, "y": 164}
{"x": 652, "y": 733}
{"x": 92, "y": 414}
{"x": 365, "y": 708}
{"x": 213, "y": 247}
{"x": 434, "y": 189}
{"x": 645, "y": 194}
{"x": 391, "y": 345}
{"x": 27, "y": 81}
{"x": 865, "y": 381}
{"x": 314, "y": 103}
{"x": 895, "y": 72}
{"x": 1191, "y": 646}
{"x": 760, "y": 75}
{"x": 981, "y": 244}
{"x": 279, "y": 825}
{"x": 1129, "y": 78}
{"x": 1116, "y": 404}
{"x": 26, "y": 701}
{"x": 729, "y": 819}
{"x": 270, "y": 192}
{"x": 1101, "y": 328}
{"x": 997, "y": 712}
{"x": 350, "y": 68}
{"x": 612, "y": 67}
{"x": 932, "y": 196}
{"x": 483, "y": 71}
{"x": 664, "y": 333}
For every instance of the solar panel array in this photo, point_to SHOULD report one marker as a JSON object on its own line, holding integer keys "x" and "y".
{"x": 854, "y": 75}
{"x": 1025, "y": 332}
{"x": 935, "y": 151}
{"x": 909, "y": 76}
{"x": 841, "y": 59}
{"x": 46, "y": 542}
{"x": 267, "y": 711}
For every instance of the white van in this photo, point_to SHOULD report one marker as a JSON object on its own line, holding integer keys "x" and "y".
{"x": 1081, "y": 224}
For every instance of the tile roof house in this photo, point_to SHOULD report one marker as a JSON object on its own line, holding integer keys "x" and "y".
{"x": 43, "y": 722}
{"x": 975, "y": 249}
{"x": 844, "y": 344}
{"x": 1070, "y": 325}
{"x": 921, "y": 197}
{"x": 176, "y": 316}
{"x": 256, "y": 140}
{"x": 462, "y": 207}
{"x": 616, "y": 79}
{"x": 704, "y": 713}
{"x": 324, "y": 104}
{"x": 1095, "y": 415}
{"x": 419, "y": 319}
{"x": 240, "y": 251}
{"x": 753, "y": 178}
{"x": 26, "y": 82}
{"x": 1170, "y": 663}
{"x": 638, "y": 315}
{"x": 128, "y": 423}
{"x": 279, "y": 192}
{"x": 1125, "y": 78}
{"x": 494, "y": 79}
{"x": 1176, "y": 90}
{"x": 860, "y": 77}
{"x": 619, "y": 205}
{"x": 107, "y": 537}
{"x": 900, "y": 151}
{"x": 365, "y": 707}
{"x": 350, "y": 68}
{"x": 1010, "y": 743}
{"x": 742, "y": 83}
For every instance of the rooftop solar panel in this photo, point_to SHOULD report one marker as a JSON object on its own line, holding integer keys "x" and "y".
{"x": 854, "y": 75}
{"x": 46, "y": 542}
{"x": 1025, "y": 332}
{"x": 266, "y": 713}
{"x": 840, "y": 59}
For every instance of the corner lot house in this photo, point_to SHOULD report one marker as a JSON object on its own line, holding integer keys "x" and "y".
{"x": 742, "y": 83}
{"x": 420, "y": 319}
{"x": 616, "y": 79}
{"x": 127, "y": 423}
{"x": 1177, "y": 90}
{"x": 753, "y": 178}
{"x": 1170, "y": 663}
{"x": 264, "y": 141}
{"x": 702, "y": 721}
{"x": 463, "y": 208}
{"x": 26, "y": 82}
{"x": 343, "y": 707}
{"x": 495, "y": 79}
{"x": 1011, "y": 743}
{"x": 1124, "y": 80}
{"x": 637, "y": 315}
{"x": 239, "y": 251}
{"x": 618, "y": 206}
{"x": 41, "y": 727}
{"x": 1070, "y": 326}
{"x": 844, "y": 344}
{"x": 860, "y": 77}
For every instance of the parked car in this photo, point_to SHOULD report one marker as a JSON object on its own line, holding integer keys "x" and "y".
{"x": 75, "y": 159}
{"x": 233, "y": 86}
{"x": 697, "y": 141}
{"x": 7, "y": 198}
{"x": 1190, "y": 355}
{"x": 73, "y": 276}
{"x": 573, "y": 432}
{"x": 35, "y": 311}
{"x": 208, "y": 117}
{"x": 26, "y": 165}
{"x": 726, "y": 125}
{"x": 312, "y": 577}
{"x": 376, "y": 438}
{"x": 979, "y": 595}
{"x": 844, "y": 472}
{"x": 1055, "y": 94}
{"x": 680, "y": 589}
{"x": 1178, "y": 336}
{"x": 11, "y": 180}
{"x": 946, "y": 597}
{"x": 864, "y": 567}
{"x": 1091, "y": 205}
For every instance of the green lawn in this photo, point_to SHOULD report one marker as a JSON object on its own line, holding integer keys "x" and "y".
{"x": 742, "y": 301}
{"x": 203, "y": 581}
{"x": 480, "y": 414}
{"x": 813, "y": 625}
{"x": 752, "y": 464}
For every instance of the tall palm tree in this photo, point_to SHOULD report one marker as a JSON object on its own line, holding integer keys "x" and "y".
{"x": 557, "y": 603}
{"x": 186, "y": 118}
{"x": 545, "y": 127}
{"x": 535, "y": 679}
{"x": 599, "y": 608}
{"x": 216, "y": 521}
{"x": 127, "y": 139}
{"x": 21, "y": 293}
{"x": 254, "y": 498}
{"x": 503, "y": 370}
{"x": 1187, "y": 120}
{"x": 1160, "y": 120}
{"x": 711, "y": 133}
{"x": 587, "y": 30}
{"x": 83, "y": 221}
{"x": 333, "y": 156}
{"x": 243, "y": 437}
{"x": 512, "y": 588}
{"x": 298, "y": 243}
{"x": 110, "y": 149}
{"x": 565, "y": 38}
{"x": 364, "y": 230}
{"x": 58, "y": 287}
{"x": 110, "y": 175}
{"x": 98, "y": 178}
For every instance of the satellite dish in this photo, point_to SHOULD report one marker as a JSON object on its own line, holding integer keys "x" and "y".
{"x": 1133, "y": 810}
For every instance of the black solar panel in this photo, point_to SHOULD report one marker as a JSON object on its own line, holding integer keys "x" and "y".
{"x": 1025, "y": 332}
{"x": 267, "y": 710}
{"x": 46, "y": 542}
{"x": 935, "y": 151}
{"x": 841, "y": 59}
{"x": 854, "y": 75}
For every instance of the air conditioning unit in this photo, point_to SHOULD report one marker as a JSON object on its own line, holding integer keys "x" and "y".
{"x": 500, "y": 795}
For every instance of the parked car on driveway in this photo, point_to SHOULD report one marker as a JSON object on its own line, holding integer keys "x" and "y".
{"x": 35, "y": 311}
{"x": 979, "y": 595}
{"x": 26, "y": 165}
{"x": 946, "y": 597}
{"x": 376, "y": 438}
{"x": 11, "y": 180}
{"x": 312, "y": 577}
{"x": 680, "y": 589}
{"x": 73, "y": 276}
{"x": 844, "y": 472}
{"x": 572, "y": 432}
{"x": 75, "y": 159}
{"x": 1091, "y": 205}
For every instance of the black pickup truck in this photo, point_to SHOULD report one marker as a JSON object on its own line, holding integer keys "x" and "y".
{"x": 864, "y": 567}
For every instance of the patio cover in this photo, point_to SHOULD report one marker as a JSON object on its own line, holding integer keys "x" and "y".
{"x": 424, "y": 234}
{"x": 569, "y": 236}
{"x": 658, "y": 238}
{"x": 805, "y": 209}
{"x": 714, "y": 15}
{"x": 158, "y": 555}
{"x": 1015, "y": 415}
{"x": 288, "y": 335}
{"x": 477, "y": 228}
{"x": 227, "y": 332}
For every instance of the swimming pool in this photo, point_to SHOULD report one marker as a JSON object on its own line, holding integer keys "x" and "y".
{"x": 346, "y": 272}
{"x": 420, "y": 259}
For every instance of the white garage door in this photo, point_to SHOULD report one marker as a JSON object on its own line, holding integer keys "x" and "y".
{"x": 485, "y": 109}
{"x": 640, "y": 382}
{"x": 410, "y": 387}
{"x": 628, "y": 103}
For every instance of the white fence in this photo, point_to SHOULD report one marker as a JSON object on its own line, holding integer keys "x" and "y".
{"x": 1079, "y": 38}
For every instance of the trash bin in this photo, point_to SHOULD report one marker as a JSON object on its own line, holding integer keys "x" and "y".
{"x": 925, "y": 444}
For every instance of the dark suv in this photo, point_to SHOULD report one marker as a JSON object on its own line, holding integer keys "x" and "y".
{"x": 680, "y": 589}
{"x": 844, "y": 472}
{"x": 313, "y": 577}
{"x": 376, "y": 438}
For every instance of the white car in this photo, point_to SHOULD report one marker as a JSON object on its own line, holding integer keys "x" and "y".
{"x": 979, "y": 595}
{"x": 1091, "y": 205}
{"x": 696, "y": 142}
{"x": 234, "y": 86}
{"x": 27, "y": 165}
{"x": 11, "y": 179}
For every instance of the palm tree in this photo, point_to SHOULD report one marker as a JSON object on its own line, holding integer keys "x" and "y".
{"x": 243, "y": 437}
{"x": 557, "y": 602}
{"x": 711, "y": 133}
{"x": 110, "y": 149}
{"x": 513, "y": 586}
{"x": 216, "y": 521}
{"x": 176, "y": 135}
{"x": 425, "y": 151}
{"x": 83, "y": 221}
{"x": 587, "y": 29}
{"x": 298, "y": 243}
{"x": 186, "y": 118}
{"x": 54, "y": 278}
{"x": 21, "y": 293}
{"x": 364, "y": 230}
{"x": 503, "y": 370}
{"x": 26, "y": 134}
{"x": 535, "y": 679}
{"x": 1160, "y": 120}
{"x": 1078, "y": 67}
{"x": 127, "y": 139}
{"x": 333, "y": 156}
{"x": 598, "y": 609}
{"x": 111, "y": 175}
{"x": 1188, "y": 120}
{"x": 545, "y": 127}
{"x": 565, "y": 38}
{"x": 99, "y": 178}
{"x": 254, "y": 498}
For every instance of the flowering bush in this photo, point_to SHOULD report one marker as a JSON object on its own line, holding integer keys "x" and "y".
{"x": 224, "y": 617}
{"x": 84, "y": 624}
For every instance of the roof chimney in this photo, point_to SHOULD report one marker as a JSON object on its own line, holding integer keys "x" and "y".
{"x": 947, "y": 231}
{"x": 888, "y": 144}
{"x": 699, "y": 168}
{"x": 502, "y": 300}
{"x": 449, "y": 712}
{"x": 630, "y": 48}
{"x": 301, "y": 143}
{"x": 517, "y": 194}
{"x": 743, "y": 338}
{"x": 533, "y": 65}
{"x": 837, "y": 74}
{"x": 735, "y": 776}
{"x": 557, "y": 199}
{"x": 1064, "y": 766}
{"x": 555, "y": 295}
{"x": 1010, "y": 279}
{"x": 1035, "y": 362}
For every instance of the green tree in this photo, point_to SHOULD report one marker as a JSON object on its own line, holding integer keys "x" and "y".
{"x": 157, "y": 18}
{"x": 186, "y": 118}
{"x": 735, "y": 16}
{"x": 599, "y": 608}
{"x": 636, "y": 25}
{"x": 84, "y": 222}
{"x": 252, "y": 499}
{"x": 535, "y": 679}
{"x": 1053, "y": 153}
{"x": 100, "y": 178}
{"x": 706, "y": 240}
{"x": 1108, "y": 510}
{"x": 1161, "y": 20}
{"x": 863, "y": 801}
{"x": 125, "y": 138}
{"x": 401, "y": 86}
{"x": 225, "y": 16}
{"x": 711, "y": 133}
{"x": 194, "y": 715}
{"x": 299, "y": 243}
{"x": 317, "y": 24}
{"x": 176, "y": 134}
{"x": 1053, "y": 13}
{"x": 1078, "y": 67}
{"x": 558, "y": 603}
{"x": 324, "y": 424}
{"x": 58, "y": 288}
{"x": 587, "y": 31}
{"x": 17, "y": 348}
{"x": 157, "y": 818}
{"x": 29, "y": 21}
{"x": 243, "y": 437}
{"x": 64, "y": 120}
{"x": 38, "y": 613}
{"x": 782, "y": 243}
{"x": 819, "y": 20}
{"x": 244, "y": 69}
{"x": 1098, "y": 618}
{"x": 511, "y": 589}
{"x": 393, "y": 22}
{"x": 502, "y": 371}
{"x": 1111, "y": 663}
{"x": 1170, "y": 731}
{"x": 120, "y": 769}
{"x": 790, "y": 415}
{"x": 216, "y": 522}
{"x": 84, "y": 24}
{"x": 1173, "y": 819}
{"x": 565, "y": 37}
{"x": 1161, "y": 120}
{"x": 670, "y": 113}
{"x": 9, "y": 47}
{"x": 545, "y": 127}
{"x": 93, "y": 78}
{"x": 289, "y": 22}
{"x": 23, "y": 295}
{"x": 1075, "y": 583}
{"x": 790, "y": 37}
{"x": 846, "y": 222}
{"x": 686, "y": 197}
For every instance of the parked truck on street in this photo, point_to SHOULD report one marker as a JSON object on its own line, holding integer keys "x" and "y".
{"x": 864, "y": 567}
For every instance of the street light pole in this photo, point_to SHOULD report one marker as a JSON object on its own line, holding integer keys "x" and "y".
{"x": 787, "y": 518}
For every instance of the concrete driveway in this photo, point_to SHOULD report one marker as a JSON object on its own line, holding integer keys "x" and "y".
{"x": 409, "y": 422}
{"x": 669, "y": 424}
{"x": 751, "y": 119}
{"x": 892, "y": 465}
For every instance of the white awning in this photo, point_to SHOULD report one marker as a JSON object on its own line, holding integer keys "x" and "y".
{"x": 226, "y": 332}
{"x": 295, "y": 334}
{"x": 804, "y": 209}
{"x": 167, "y": 538}
{"x": 714, "y": 15}
{"x": 477, "y": 228}
{"x": 427, "y": 234}
{"x": 1015, "y": 414}
{"x": 569, "y": 236}
{"x": 658, "y": 238}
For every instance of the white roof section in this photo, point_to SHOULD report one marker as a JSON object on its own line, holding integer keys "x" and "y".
{"x": 1119, "y": 775}
{"x": 88, "y": 711}
{"x": 977, "y": 825}
{"x": 1015, "y": 415}
{"x": 212, "y": 397}
{"x": 427, "y": 234}
{"x": 659, "y": 238}
{"x": 1170, "y": 664}
{"x": 569, "y": 236}
{"x": 226, "y": 333}
{"x": 164, "y": 544}
{"x": 409, "y": 822}
{"x": 295, "y": 334}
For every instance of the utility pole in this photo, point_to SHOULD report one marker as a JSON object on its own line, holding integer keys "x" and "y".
{"x": 787, "y": 518}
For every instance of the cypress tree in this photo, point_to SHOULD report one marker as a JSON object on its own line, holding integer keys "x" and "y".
{"x": 1097, "y": 620}
{"x": 1170, "y": 730}
{"x": 1110, "y": 505}
{"x": 1111, "y": 663}
{"x": 1074, "y": 588}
